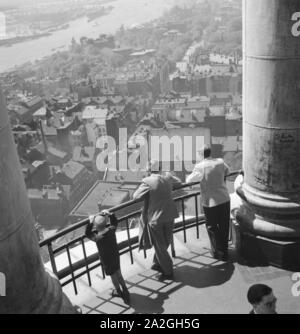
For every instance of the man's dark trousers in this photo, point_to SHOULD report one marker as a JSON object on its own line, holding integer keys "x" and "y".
{"x": 217, "y": 224}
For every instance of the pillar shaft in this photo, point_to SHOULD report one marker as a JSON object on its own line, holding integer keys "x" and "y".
{"x": 271, "y": 191}
{"x": 29, "y": 289}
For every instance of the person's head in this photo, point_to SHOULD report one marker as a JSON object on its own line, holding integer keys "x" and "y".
{"x": 99, "y": 221}
{"x": 262, "y": 299}
{"x": 205, "y": 152}
{"x": 154, "y": 167}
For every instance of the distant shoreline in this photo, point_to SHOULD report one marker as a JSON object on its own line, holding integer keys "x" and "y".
{"x": 12, "y": 41}
{"x": 125, "y": 13}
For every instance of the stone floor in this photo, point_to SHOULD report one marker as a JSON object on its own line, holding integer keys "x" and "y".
{"x": 201, "y": 285}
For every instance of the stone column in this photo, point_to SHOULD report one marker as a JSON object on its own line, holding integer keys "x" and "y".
{"x": 270, "y": 214}
{"x": 29, "y": 288}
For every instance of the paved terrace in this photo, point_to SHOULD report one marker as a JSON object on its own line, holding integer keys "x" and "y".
{"x": 202, "y": 285}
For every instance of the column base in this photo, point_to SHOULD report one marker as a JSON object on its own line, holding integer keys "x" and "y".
{"x": 54, "y": 301}
{"x": 261, "y": 251}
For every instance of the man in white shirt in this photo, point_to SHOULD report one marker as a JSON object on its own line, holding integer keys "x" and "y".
{"x": 211, "y": 173}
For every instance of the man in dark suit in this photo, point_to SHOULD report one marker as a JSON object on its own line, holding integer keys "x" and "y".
{"x": 159, "y": 213}
{"x": 262, "y": 299}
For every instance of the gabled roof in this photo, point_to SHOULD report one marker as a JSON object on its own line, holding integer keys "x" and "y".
{"x": 58, "y": 121}
{"x": 33, "y": 101}
{"x": 72, "y": 168}
{"x": 42, "y": 112}
{"x": 91, "y": 112}
{"x": 38, "y": 163}
{"x": 39, "y": 147}
{"x": 54, "y": 151}
{"x": 20, "y": 110}
{"x": 49, "y": 130}
{"x": 63, "y": 100}
{"x": 38, "y": 194}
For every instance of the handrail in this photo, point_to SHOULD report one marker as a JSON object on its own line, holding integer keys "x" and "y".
{"x": 84, "y": 222}
{"x": 73, "y": 271}
{"x": 112, "y": 210}
{"x": 122, "y": 246}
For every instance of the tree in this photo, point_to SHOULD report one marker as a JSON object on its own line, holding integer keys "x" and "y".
{"x": 82, "y": 70}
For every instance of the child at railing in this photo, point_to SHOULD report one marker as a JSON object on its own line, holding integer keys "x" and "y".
{"x": 102, "y": 230}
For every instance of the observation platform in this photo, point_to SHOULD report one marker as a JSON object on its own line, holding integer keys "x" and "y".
{"x": 201, "y": 285}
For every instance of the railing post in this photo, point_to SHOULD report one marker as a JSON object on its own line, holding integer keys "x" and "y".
{"x": 72, "y": 271}
{"x": 173, "y": 247}
{"x": 197, "y": 216}
{"x": 86, "y": 264}
{"x": 183, "y": 219}
{"x": 52, "y": 259}
{"x": 129, "y": 245}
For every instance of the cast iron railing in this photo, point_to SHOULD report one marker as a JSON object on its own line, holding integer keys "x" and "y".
{"x": 74, "y": 270}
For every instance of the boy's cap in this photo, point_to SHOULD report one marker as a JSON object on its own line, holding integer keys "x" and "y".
{"x": 99, "y": 221}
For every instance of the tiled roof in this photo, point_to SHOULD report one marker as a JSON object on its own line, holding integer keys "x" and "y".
{"x": 72, "y": 168}
{"x": 33, "y": 101}
{"x": 101, "y": 193}
{"x": 126, "y": 176}
{"x": 54, "y": 151}
{"x": 94, "y": 112}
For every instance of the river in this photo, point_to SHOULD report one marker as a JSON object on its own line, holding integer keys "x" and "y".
{"x": 126, "y": 12}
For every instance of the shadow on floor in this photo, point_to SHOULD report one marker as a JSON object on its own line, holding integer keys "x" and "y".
{"x": 148, "y": 294}
{"x": 145, "y": 304}
{"x": 204, "y": 277}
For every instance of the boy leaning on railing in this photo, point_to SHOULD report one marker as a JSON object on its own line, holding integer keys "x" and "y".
{"x": 102, "y": 230}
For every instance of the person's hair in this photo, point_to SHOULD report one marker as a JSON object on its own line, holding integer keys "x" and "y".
{"x": 155, "y": 166}
{"x": 206, "y": 151}
{"x": 256, "y": 293}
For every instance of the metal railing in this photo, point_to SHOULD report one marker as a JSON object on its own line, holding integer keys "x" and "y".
{"x": 75, "y": 270}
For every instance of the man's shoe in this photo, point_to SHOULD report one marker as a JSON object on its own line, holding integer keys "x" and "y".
{"x": 78, "y": 309}
{"x": 156, "y": 267}
{"x": 116, "y": 293}
{"x": 126, "y": 296}
{"x": 164, "y": 277}
{"x": 221, "y": 256}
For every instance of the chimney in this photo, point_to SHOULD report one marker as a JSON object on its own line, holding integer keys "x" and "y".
{"x": 43, "y": 137}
